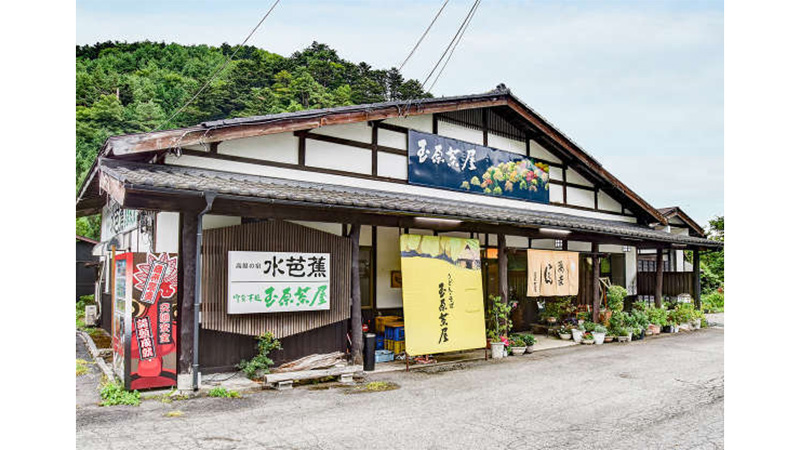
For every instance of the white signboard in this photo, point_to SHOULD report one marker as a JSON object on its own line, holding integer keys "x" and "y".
{"x": 267, "y": 282}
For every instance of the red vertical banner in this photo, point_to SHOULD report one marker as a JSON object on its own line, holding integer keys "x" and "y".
{"x": 153, "y": 357}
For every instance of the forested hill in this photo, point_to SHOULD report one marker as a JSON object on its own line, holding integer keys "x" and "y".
{"x": 134, "y": 87}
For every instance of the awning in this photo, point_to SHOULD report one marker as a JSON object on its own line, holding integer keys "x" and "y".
{"x": 117, "y": 177}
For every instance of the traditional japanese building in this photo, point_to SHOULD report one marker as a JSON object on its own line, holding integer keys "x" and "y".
{"x": 344, "y": 184}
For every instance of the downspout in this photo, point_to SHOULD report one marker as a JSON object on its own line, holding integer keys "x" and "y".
{"x": 198, "y": 291}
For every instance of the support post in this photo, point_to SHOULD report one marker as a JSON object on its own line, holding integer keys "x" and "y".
{"x": 356, "y": 334}
{"x": 595, "y": 281}
{"x": 502, "y": 267}
{"x": 659, "y": 276}
{"x": 186, "y": 259}
{"x": 696, "y": 269}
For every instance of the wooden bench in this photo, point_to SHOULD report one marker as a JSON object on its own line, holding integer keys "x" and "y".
{"x": 286, "y": 380}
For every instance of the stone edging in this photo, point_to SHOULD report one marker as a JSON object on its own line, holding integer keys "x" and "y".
{"x": 96, "y": 354}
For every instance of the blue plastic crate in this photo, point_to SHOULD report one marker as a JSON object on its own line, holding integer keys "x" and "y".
{"x": 383, "y": 356}
{"x": 395, "y": 333}
{"x": 379, "y": 342}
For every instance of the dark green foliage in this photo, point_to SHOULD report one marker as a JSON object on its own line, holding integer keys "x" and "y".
{"x": 134, "y": 87}
{"x": 113, "y": 393}
{"x": 261, "y": 362}
{"x": 220, "y": 391}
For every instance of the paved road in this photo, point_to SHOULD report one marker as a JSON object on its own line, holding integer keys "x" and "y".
{"x": 86, "y": 393}
{"x": 664, "y": 392}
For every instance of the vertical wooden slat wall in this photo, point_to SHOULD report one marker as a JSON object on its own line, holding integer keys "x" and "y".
{"x": 675, "y": 283}
{"x": 274, "y": 236}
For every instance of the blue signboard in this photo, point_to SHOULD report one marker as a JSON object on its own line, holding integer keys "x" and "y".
{"x": 442, "y": 162}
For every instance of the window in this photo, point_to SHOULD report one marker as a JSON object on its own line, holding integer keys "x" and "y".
{"x": 365, "y": 268}
{"x": 559, "y": 244}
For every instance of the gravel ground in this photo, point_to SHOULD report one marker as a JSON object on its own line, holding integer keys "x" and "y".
{"x": 664, "y": 392}
{"x": 86, "y": 393}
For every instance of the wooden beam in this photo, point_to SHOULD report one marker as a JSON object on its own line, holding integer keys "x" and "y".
{"x": 188, "y": 269}
{"x": 659, "y": 276}
{"x": 375, "y": 151}
{"x": 356, "y": 334}
{"x": 595, "y": 281}
{"x": 162, "y": 140}
{"x": 485, "y": 126}
{"x": 696, "y": 280}
{"x": 502, "y": 267}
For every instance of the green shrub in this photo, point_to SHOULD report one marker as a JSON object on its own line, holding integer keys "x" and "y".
{"x": 600, "y": 329}
{"x": 499, "y": 319}
{"x": 260, "y": 363}
{"x": 657, "y": 316}
{"x": 113, "y": 393}
{"x": 528, "y": 339}
{"x": 221, "y": 392}
{"x": 616, "y": 297}
{"x": 713, "y": 302}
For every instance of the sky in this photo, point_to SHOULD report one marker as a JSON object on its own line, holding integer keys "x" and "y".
{"x": 637, "y": 84}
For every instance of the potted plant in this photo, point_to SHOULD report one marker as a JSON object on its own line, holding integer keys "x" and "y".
{"x": 499, "y": 325}
{"x": 517, "y": 346}
{"x": 587, "y": 338}
{"x": 625, "y": 335}
{"x": 529, "y": 341}
{"x": 599, "y": 334}
{"x": 577, "y": 333}
{"x": 565, "y": 333}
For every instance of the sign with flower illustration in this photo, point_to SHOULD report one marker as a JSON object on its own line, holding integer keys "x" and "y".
{"x": 442, "y": 162}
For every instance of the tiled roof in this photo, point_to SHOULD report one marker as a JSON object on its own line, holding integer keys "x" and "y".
{"x": 144, "y": 176}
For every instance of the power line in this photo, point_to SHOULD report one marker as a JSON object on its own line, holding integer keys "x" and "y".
{"x": 455, "y": 45}
{"x": 424, "y": 34}
{"x": 220, "y": 68}
{"x": 452, "y": 41}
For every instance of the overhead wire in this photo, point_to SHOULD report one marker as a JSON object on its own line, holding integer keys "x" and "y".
{"x": 421, "y": 38}
{"x": 454, "y": 46}
{"x": 452, "y": 41}
{"x": 220, "y": 68}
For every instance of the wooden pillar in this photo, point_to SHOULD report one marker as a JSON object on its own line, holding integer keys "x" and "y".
{"x": 356, "y": 334}
{"x": 502, "y": 267}
{"x": 188, "y": 269}
{"x": 595, "y": 281}
{"x": 659, "y": 276}
{"x": 696, "y": 280}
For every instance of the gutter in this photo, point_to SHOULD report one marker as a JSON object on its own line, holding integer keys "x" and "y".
{"x": 209, "y": 196}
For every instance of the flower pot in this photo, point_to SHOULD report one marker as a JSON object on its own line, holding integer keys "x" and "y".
{"x": 517, "y": 351}
{"x": 552, "y": 320}
{"x": 625, "y": 337}
{"x": 599, "y": 338}
{"x": 609, "y": 338}
{"x": 498, "y": 350}
{"x": 642, "y": 335}
{"x": 666, "y": 329}
{"x": 529, "y": 349}
{"x": 576, "y": 335}
{"x": 587, "y": 341}
{"x": 697, "y": 323}
{"x": 654, "y": 329}
{"x": 565, "y": 336}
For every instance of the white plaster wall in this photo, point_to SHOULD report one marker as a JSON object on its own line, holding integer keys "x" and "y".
{"x": 297, "y": 174}
{"x": 537, "y": 151}
{"x": 392, "y": 139}
{"x": 211, "y": 221}
{"x": 556, "y": 193}
{"x": 604, "y": 201}
{"x": 575, "y": 246}
{"x": 393, "y": 166}
{"x": 419, "y": 123}
{"x": 630, "y": 271}
{"x": 556, "y": 173}
{"x": 517, "y": 241}
{"x": 504, "y": 143}
{"x": 450, "y": 130}
{"x": 340, "y": 157}
{"x": 359, "y": 131}
{"x": 543, "y": 244}
{"x": 281, "y": 147}
{"x": 576, "y": 178}
{"x": 387, "y": 259}
{"x": 579, "y": 197}
{"x": 167, "y": 232}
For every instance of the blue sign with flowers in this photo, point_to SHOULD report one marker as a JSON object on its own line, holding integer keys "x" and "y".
{"x": 441, "y": 162}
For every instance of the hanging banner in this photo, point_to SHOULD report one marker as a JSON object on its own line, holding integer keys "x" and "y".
{"x": 442, "y": 162}
{"x": 442, "y": 294}
{"x": 267, "y": 282}
{"x": 552, "y": 273}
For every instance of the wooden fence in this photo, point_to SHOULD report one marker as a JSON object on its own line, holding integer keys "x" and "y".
{"x": 675, "y": 283}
